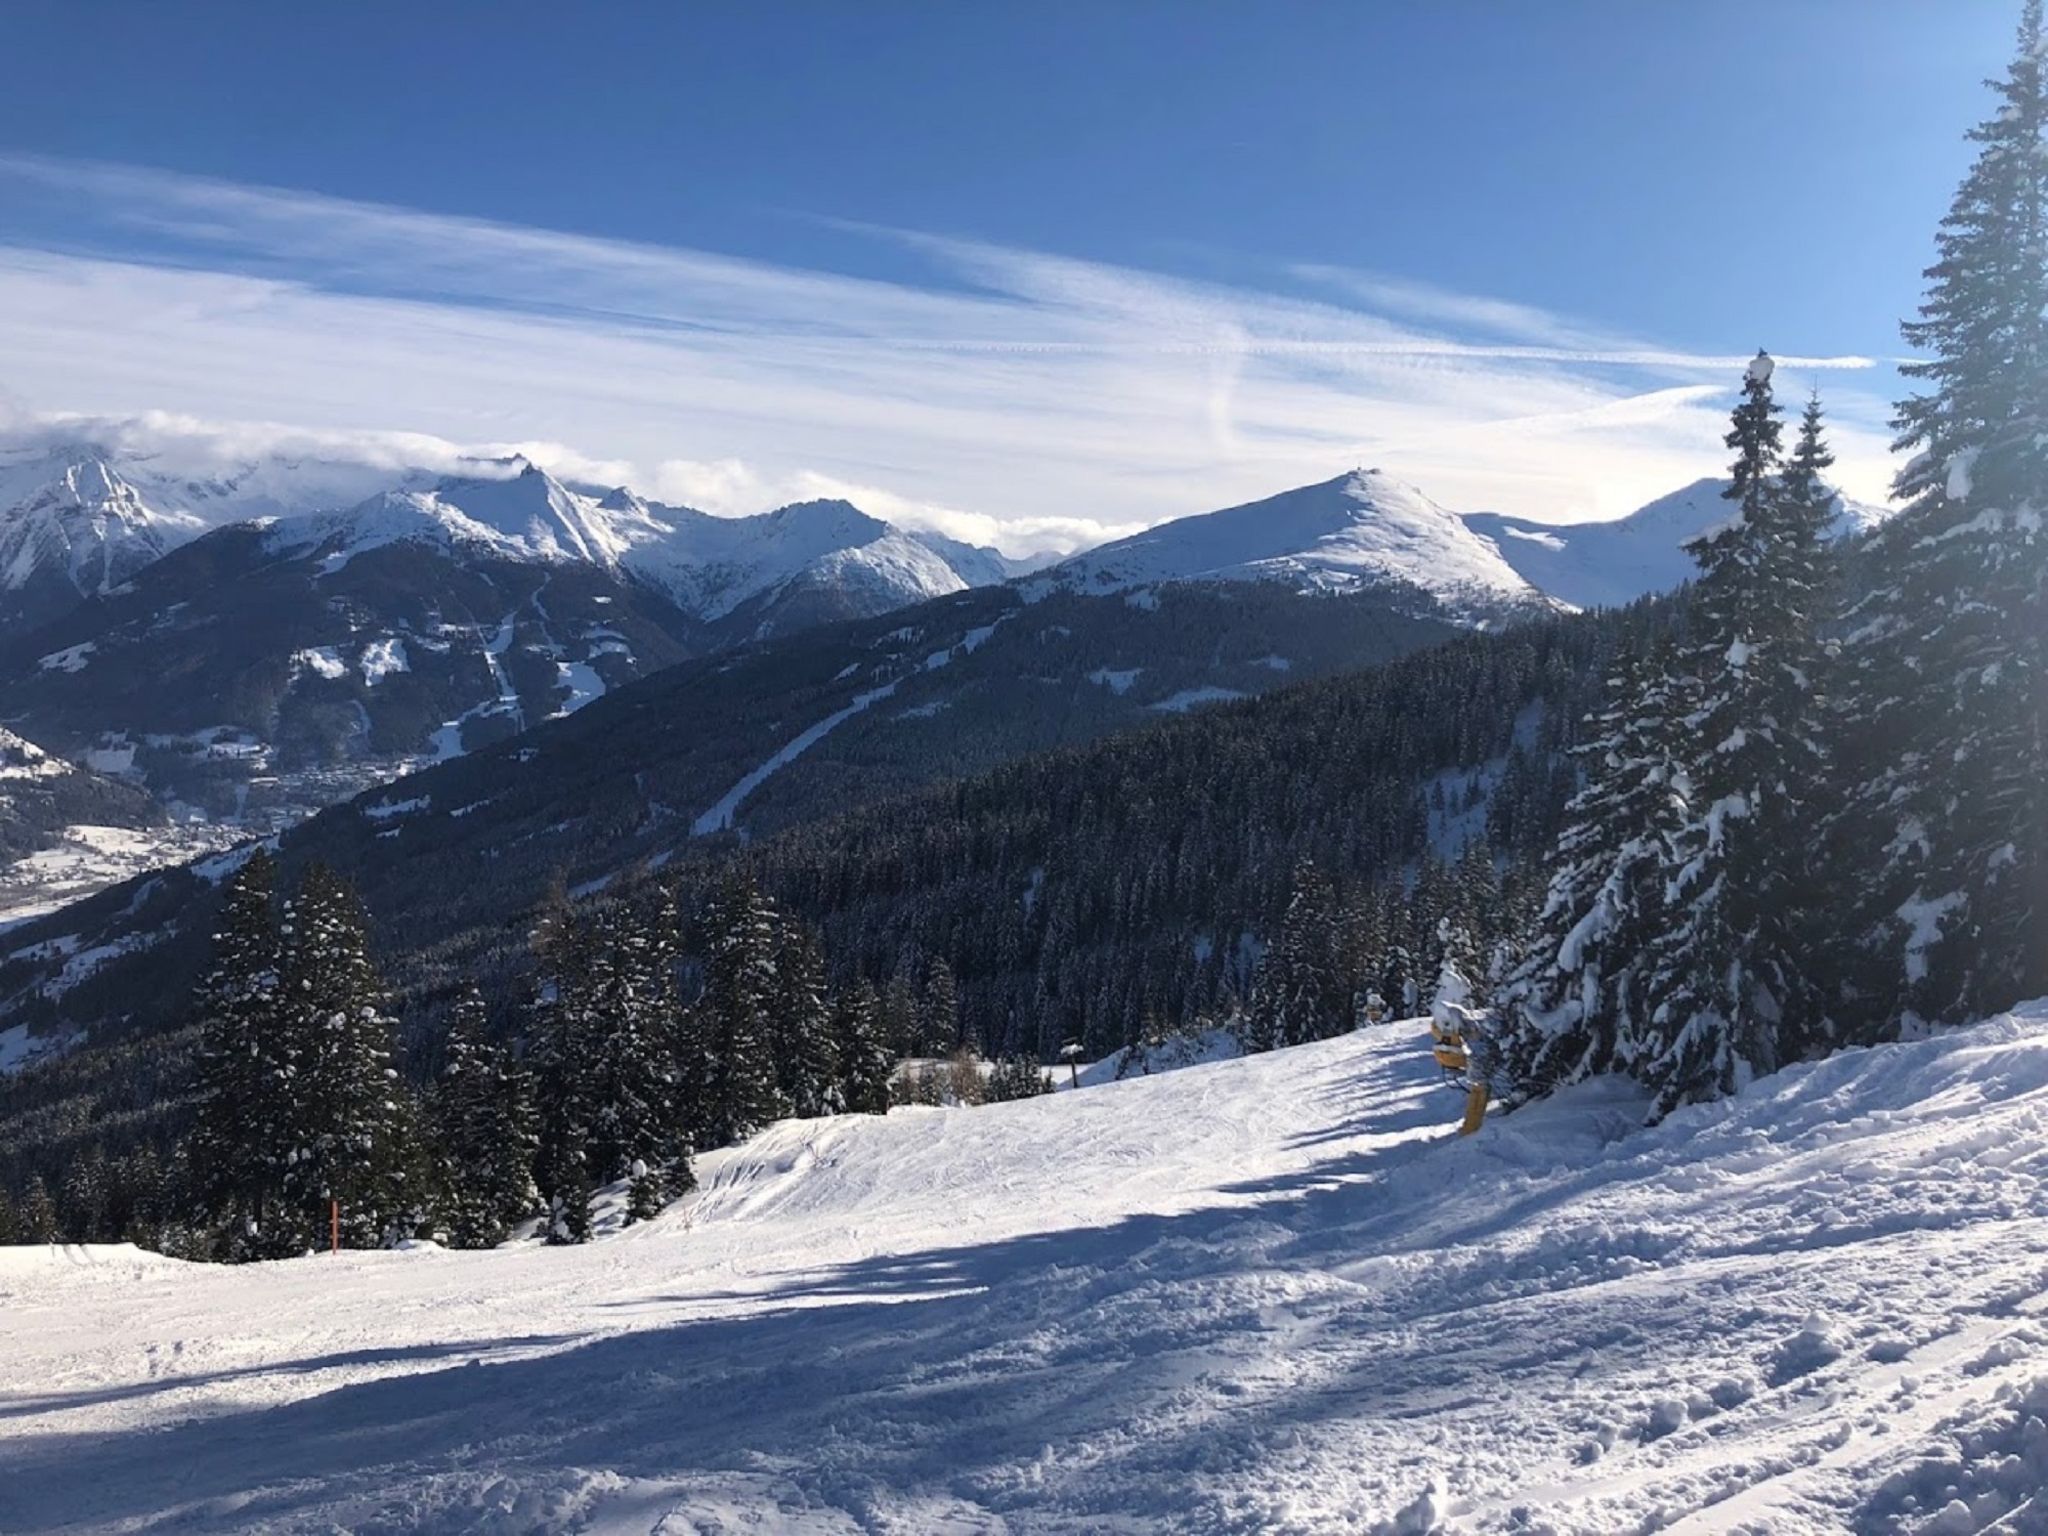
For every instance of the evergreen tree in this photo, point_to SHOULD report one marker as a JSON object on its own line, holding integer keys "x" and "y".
{"x": 84, "y": 1196}
{"x": 1946, "y": 685}
{"x": 37, "y": 1217}
{"x": 560, "y": 1049}
{"x": 1016, "y": 1077}
{"x": 145, "y": 1220}
{"x": 734, "y": 1028}
{"x": 865, "y": 1063}
{"x": 938, "y": 1017}
{"x": 1300, "y": 991}
{"x": 356, "y": 1141}
{"x": 248, "y": 1072}
{"x": 10, "y": 1221}
{"x": 1574, "y": 1004}
{"x": 622, "y": 1016}
{"x": 484, "y": 1124}
{"x": 806, "y": 1054}
{"x": 1729, "y": 989}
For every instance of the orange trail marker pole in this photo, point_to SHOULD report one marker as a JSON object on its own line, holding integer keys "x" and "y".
{"x": 334, "y": 1223}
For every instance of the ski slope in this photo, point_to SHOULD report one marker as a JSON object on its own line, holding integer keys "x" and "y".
{"x": 1254, "y": 1295}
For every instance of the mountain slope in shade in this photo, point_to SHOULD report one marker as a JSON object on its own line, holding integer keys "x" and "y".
{"x": 41, "y": 795}
{"x": 1360, "y": 530}
{"x": 1598, "y": 565}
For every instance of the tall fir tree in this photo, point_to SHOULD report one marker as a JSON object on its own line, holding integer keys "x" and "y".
{"x": 734, "y": 1063}
{"x": 1300, "y": 992}
{"x": 806, "y": 1054}
{"x": 355, "y": 1143}
{"x": 559, "y": 1048}
{"x": 483, "y": 1122}
{"x": 36, "y": 1218}
{"x": 249, "y": 1064}
{"x": 865, "y": 1062}
{"x": 1945, "y": 696}
{"x": 1730, "y": 993}
{"x": 1574, "y": 1005}
{"x": 938, "y": 1017}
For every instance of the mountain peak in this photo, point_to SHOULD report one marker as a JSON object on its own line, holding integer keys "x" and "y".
{"x": 1360, "y": 529}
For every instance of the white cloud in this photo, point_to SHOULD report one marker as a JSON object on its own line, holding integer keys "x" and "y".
{"x": 1036, "y": 400}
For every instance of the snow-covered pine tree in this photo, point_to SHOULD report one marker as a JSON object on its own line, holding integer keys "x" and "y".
{"x": 10, "y": 1221}
{"x": 243, "y": 1131}
{"x": 865, "y": 1062}
{"x": 1301, "y": 991}
{"x": 1573, "y": 1004}
{"x": 620, "y": 998}
{"x": 1730, "y": 990}
{"x": 1945, "y": 687}
{"x": 484, "y": 1124}
{"x": 736, "y": 1066}
{"x": 1016, "y": 1077}
{"x": 938, "y": 1015}
{"x": 806, "y": 1055}
{"x": 355, "y": 1139}
{"x": 560, "y": 1049}
{"x": 36, "y": 1219}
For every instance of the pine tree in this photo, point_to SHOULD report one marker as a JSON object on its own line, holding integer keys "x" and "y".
{"x": 865, "y": 1063}
{"x": 806, "y": 1056}
{"x": 484, "y": 1124}
{"x": 83, "y": 1198}
{"x": 621, "y": 999}
{"x": 356, "y": 1141}
{"x": 734, "y": 1064}
{"x": 1575, "y": 1003}
{"x": 1723, "y": 972}
{"x": 10, "y": 1220}
{"x": 1016, "y": 1077}
{"x": 248, "y": 1071}
{"x": 37, "y": 1217}
{"x": 938, "y": 1016}
{"x": 1301, "y": 991}
{"x": 557, "y": 1033}
{"x": 1946, "y": 687}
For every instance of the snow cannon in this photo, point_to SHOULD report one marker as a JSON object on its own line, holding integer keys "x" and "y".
{"x": 1451, "y": 1026}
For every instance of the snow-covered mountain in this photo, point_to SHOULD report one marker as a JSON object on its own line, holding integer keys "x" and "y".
{"x": 73, "y": 527}
{"x": 77, "y": 520}
{"x": 311, "y": 653}
{"x": 1594, "y": 565}
{"x": 1363, "y": 529}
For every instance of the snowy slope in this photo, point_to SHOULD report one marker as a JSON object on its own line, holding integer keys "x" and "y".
{"x": 1259, "y": 1295}
{"x": 1599, "y": 565}
{"x": 1361, "y": 529}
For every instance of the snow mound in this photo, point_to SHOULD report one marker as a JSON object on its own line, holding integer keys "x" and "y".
{"x": 1267, "y": 1294}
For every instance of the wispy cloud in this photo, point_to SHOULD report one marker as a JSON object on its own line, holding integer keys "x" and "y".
{"x": 999, "y": 394}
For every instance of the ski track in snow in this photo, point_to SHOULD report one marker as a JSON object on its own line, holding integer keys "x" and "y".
{"x": 1263, "y": 1295}
{"x": 720, "y": 817}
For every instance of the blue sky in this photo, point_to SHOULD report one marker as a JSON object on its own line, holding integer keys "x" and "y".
{"x": 1040, "y": 272}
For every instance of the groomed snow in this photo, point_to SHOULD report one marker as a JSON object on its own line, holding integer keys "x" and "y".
{"x": 1262, "y": 1295}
